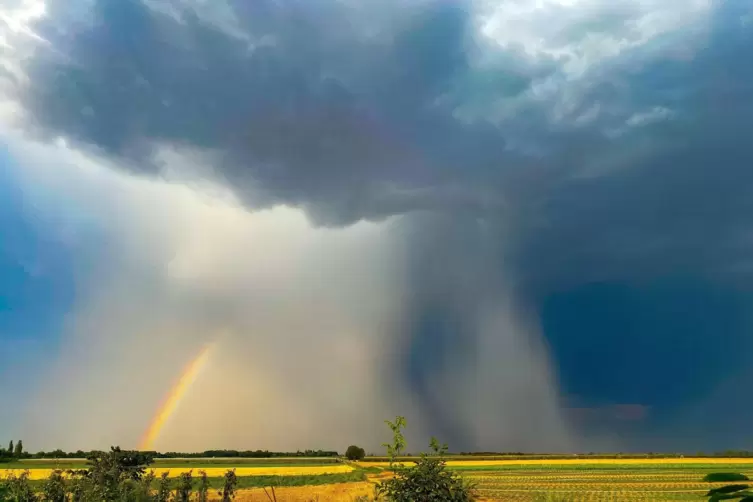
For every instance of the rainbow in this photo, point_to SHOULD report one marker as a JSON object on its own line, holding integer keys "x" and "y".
{"x": 173, "y": 398}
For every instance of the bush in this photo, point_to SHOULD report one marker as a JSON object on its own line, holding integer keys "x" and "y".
{"x": 355, "y": 453}
{"x": 185, "y": 487}
{"x": 18, "y": 489}
{"x": 202, "y": 494}
{"x": 54, "y": 488}
{"x": 228, "y": 487}
{"x": 428, "y": 480}
{"x": 717, "y": 477}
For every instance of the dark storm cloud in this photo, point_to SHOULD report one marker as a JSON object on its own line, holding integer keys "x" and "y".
{"x": 637, "y": 175}
{"x": 300, "y": 105}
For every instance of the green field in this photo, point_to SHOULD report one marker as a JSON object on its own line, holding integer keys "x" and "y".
{"x": 659, "y": 482}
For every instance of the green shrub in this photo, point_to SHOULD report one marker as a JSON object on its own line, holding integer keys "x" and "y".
{"x": 163, "y": 489}
{"x": 719, "y": 477}
{"x": 54, "y": 488}
{"x": 426, "y": 481}
{"x": 18, "y": 489}
{"x": 185, "y": 487}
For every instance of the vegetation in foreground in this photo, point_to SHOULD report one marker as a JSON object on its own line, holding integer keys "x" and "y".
{"x": 121, "y": 476}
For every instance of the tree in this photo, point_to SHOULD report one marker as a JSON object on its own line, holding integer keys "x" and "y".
{"x": 355, "y": 453}
{"x": 109, "y": 471}
{"x": 10, "y": 447}
{"x": 398, "y": 440}
{"x": 19, "y": 449}
{"x": 227, "y": 494}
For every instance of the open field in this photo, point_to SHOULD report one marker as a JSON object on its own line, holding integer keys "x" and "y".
{"x": 212, "y": 471}
{"x": 602, "y": 480}
{"x": 514, "y": 480}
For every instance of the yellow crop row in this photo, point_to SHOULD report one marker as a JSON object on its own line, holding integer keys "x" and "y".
{"x": 213, "y": 472}
{"x": 602, "y": 461}
{"x": 582, "y": 461}
{"x": 342, "y": 492}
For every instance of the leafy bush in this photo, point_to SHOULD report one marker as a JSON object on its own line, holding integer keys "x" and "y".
{"x": 54, "y": 488}
{"x": 717, "y": 477}
{"x": 202, "y": 494}
{"x": 738, "y": 491}
{"x": 185, "y": 487}
{"x": 18, "y": 489}
{"x": 355, "y": 453}
{"x": 428, "y": 480}
{"x": 163, "y": 490}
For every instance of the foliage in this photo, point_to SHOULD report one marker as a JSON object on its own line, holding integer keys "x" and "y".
{"x": 184, "y": 488}
{"x": 109, "y": 471}
{"x": 54, "y": 488}
{"x": 163, "y": 490}
{"x": 428, "y": 480}
{"x": 10, "y": 448}
{"x": 355, "y": 453}
{"x": 19, "y": 451}
{"x": 398, "y": 440}
{"x": 202, "y": 494}
{"x": 716, "y": 477}
{"x": 18, "y": 489}
{"x": 228, "y": 489}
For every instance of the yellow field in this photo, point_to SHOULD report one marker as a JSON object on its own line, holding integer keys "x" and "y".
{"x": 343, "y": 492}
{"x": 214, "y": 471}
{"x": 581, "y": 461}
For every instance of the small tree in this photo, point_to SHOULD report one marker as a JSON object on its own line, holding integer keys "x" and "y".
{"x": 355, "y": 453}
{"x": 202, "y": 494}
{"x": 228, "y": 487}
{"x": 10, "y": 448}
{"x": 185, "y": 487}
{"x": 428, "y": 480}
{"x": 398, "y": 440}
{"x": 19, "y": 451}
{"x": 163, "y": 490}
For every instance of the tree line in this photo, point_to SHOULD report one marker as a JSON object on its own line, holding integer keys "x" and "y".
{"x": 14, "y": 451}
{"x": 79, "y": 454}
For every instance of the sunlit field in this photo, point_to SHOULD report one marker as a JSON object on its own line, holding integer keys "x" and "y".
{"x": 516, "y": 480}
{"x": 598, "y": 479}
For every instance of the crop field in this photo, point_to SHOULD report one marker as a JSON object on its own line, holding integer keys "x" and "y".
{"x": 649, "y": 480}
{"x": 513, "y": 480}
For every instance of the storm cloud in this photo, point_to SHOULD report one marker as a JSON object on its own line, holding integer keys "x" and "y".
{"x": 563, "y": 190}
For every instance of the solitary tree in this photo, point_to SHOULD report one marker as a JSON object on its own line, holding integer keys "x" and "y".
{"x": 355, "y": 453}
{"x": 398, "y": 442}
{"x": 19, "y": 449}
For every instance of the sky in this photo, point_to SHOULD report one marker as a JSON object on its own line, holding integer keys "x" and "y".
{"x": 524, "y": 225}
